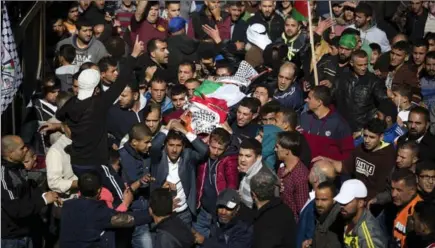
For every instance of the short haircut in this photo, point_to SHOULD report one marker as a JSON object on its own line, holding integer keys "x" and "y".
{"x": 421, "y": 111}
{"x": 375, "y": 47}
{"x": 364, "y": 8}
{"x": 68, "y": 52}
{"x": 376, "y": 126}
{"x": 404, "y": 90}
{"x": 115, "y": 46}
{"x": 359, "y": 54}
{"x": 161, "y": 202}
{"x": 252, "y": 103}
{"x": 406, "y": 175}
{"x": 175, "y": 135}
{"x": 263, "y": 185}
{"x": 402, "y": 46}
{"x": 290, "y": 116}
{"x": 105, "y": 62}
{"x": 167, "y": 3}
{"x": 86, "y": 65}
{"x": 178, "y": 89}
{"x": 424, "y": 165}
{"x": 139, "y": 131}
{"x": 83, "y": 22}
{"x": 424, "y": 210}
{"x": 225, "y": 64}
{"x": 269, "y": 90}
{"x": 351, "y": 31}
{"x": 89, "y": 184}
{"x": 150, "y": 107}
{"x": 188, "y": 63}
{"x": 234, "y": 3}
{"x": 251, "y": 144}
{"x": 192, "y": 80}
{"x": 420, "y": 43}
{"x": 429, "y": 36}
{"x": 323, "y": 93}
{"x": 430, "y": 55}
{"x": 270, "y": 107}
{"x": 62, "y": 98}
{"x": 157, "y": 81}
{"x": 221, "y": 136}
{"x": 410, "y": 145}
{"x": 388, "y": 109}
{"x": 133, "y": 85}
{"x": 290, "y": 140}
{"x": 152, "y": 44}
{"x": 328, "y": 185}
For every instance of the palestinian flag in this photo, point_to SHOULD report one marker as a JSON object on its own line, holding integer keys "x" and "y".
{"x": 229, "y": 93}
{"x": 300, "y": 10}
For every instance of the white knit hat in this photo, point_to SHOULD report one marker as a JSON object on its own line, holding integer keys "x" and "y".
{"x": 257, "y": 35}
{"x": 88, "y": 80}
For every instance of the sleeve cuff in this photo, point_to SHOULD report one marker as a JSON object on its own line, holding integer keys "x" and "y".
{"x": 43, "y": 197}
{"x": 191, "y": 137}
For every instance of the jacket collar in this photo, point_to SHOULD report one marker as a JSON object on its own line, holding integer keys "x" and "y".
{"x": 12, "y": 165}
{"x": 268, "y": 206}
{"x": 132, "y": 151}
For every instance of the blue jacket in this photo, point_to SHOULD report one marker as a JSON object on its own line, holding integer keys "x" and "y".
{"x": 390, "y": 135}
{"x": 292, "y": 98}
{"x": 191, "y": 156}
{"x": 120, "y": 121}
{"x": 306, "y": 224}
{"x": 134, "y": 167}
{"x": 166, "y": 104}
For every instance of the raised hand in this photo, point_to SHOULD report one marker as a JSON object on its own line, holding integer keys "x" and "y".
{"x": 138, "y": 48}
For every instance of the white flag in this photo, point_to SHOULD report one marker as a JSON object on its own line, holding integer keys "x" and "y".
{"x": 11, "y": 75}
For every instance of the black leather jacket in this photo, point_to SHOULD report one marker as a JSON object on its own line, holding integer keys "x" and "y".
{"x": 356, "y": 98}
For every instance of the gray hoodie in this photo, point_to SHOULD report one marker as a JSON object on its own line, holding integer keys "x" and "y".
{"x": 93, "y": 53}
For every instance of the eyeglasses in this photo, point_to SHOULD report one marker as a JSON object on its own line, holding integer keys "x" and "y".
{"x": 427, "y": 177}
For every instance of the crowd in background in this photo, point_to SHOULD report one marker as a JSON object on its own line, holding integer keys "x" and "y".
{"x": 179, "y": 124}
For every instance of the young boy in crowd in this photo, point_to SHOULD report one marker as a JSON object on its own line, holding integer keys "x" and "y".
{"x": 402, "y": 98}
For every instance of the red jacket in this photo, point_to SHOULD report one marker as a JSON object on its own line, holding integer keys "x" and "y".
{"x": 227, "y": 176}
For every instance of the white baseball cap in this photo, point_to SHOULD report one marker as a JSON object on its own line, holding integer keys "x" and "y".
{"x": 350, "y": 190}
{"x": 88, "y": 80}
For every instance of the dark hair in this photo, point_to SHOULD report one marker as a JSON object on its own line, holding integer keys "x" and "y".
{"x": 234, "y": 3}
{"x": 89, "y": 184}
{"x": 167, "y": 3}
{"x": 421, "y": 111}
{"x": 290, "y": 116}
{"x": 359, "y": 54}
{"x": 364, "y": 8}
{"x": 73, "y": 5}
{"x": 161, "y": 202}
{"x": 388, "y": 108}
{"x": 139, "y": 131}
{"x": 133, "y": 85}
{"x": 76, "y": 75}
{"x": 410, "y": 145}
{"x": 252, "y": 103}
{"x": 48, "y": 87}
{"x": 406, "y": 175}
{"x": 68, "y": 52}
{"x": 270, "y": 107}
{"x": 269, "y": 90}
{"x": 290, "y": 140}
{"x": 62, "y": 98}
{"x": 424, "y": 166}
{"x": 328, "y": 185}
{"x": 175, "y": 135}
{"x": 429, "y": 36}
{"x": 404, "y": 90}
{"x": 322, "y": 93}
{"x": 115, "y": 46}
{"x": 430, "y": 55}
{"x": 86, "y": 65}
{"x": 152, "y": 44}
{"x": 178, "y": 89}
{"x": 105, "y": 62}
{"x": 402, "y": 46}
{"x": 224, "y": 64}
{"x": 351, "y": 31}
{"x": 221, "y": 136}
{"x": 424, "y": 210}
{"x": 420, "y": 43}
{"x": 191, "y": 80}
{"x": 83, "y": 22}
{"x": 375, "y": 47}
{"x": 188, "y": 63}
{"x": 150, "y": 107}
{"x": 251, "y": 144}
{"x": 263, "y": 185}
{"x": 113, "y": 156}
{"x": 157, "y": 81}
{"x": 376, "y": 126}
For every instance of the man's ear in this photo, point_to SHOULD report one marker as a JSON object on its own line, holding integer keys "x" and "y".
{"x": 136, "y": 96}
{"x": 388, "y": 119}
{"x": 153, "y": 54}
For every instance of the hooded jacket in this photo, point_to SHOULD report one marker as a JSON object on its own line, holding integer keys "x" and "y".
{"x": 356, "y": 98}
{"x": 297, "y": 47}
{"x": 87, "y": 120}
{"x": 330, "y": 136}
{"x": 227, "y": 175}
{"x": 374, "y": 35}
{"x": 268, "y": 145}
{"x": 92, "y": 53}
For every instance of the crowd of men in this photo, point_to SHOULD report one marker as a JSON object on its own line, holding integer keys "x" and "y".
{"x": 343, "y": 158}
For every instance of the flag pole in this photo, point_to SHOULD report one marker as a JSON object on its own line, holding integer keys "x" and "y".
{"x": 313, "y": 54}
{"x": 332, "y": 16}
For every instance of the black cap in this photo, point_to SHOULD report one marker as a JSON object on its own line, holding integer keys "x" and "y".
{"x": 229, "y": 198}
